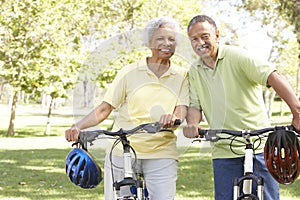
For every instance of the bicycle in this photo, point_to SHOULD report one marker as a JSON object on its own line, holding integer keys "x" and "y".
{"x": 242, "y": 186}
{"x": 132, "y": 179}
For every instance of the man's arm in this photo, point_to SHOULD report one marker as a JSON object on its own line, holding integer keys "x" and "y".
{"x": 194, "y": 117}
{"x": 285, "y": 91}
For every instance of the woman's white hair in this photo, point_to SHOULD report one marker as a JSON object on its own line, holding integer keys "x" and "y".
{"x": 157, "y": 23}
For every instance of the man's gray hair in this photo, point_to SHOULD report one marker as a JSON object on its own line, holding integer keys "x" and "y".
{"x": 157, "y": 23}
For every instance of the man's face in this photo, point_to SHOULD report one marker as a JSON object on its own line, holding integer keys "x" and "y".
{"x": 204, "y": 40}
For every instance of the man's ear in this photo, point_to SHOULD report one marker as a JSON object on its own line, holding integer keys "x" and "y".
{"x": 217, "y": 34}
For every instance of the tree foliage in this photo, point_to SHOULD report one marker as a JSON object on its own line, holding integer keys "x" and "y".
{"x": 40, "y": 41}
{"x": 40, "y": 44}
{"x": 281, "y": 15}
{"x": 118, "y": 44}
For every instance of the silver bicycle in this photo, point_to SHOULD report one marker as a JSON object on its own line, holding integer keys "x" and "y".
{"x": 242, "y": 186}
{"x": 131, "y": 178}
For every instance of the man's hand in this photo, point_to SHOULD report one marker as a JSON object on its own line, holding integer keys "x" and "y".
{"x": 296, "y": 123}
{"x": 191, "y": 131}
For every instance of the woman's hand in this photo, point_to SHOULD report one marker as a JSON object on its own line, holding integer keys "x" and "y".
{"x": 72, "y": 134}
{"x": 168, "y": 121}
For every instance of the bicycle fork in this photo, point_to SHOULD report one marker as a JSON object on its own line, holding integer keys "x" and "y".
{"x": 247, "y": 179}
{"x": 128, "y": 177}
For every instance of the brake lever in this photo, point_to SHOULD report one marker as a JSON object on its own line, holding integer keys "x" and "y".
{"x": 209, "y": 135}
{"x": 156, "y": 127}
{"x": 152, "y": 127}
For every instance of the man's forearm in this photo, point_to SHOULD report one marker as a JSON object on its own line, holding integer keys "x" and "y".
{"x": 194, "y": 116}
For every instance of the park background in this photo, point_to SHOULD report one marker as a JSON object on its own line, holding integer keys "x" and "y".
{"x": 57, "y": 58}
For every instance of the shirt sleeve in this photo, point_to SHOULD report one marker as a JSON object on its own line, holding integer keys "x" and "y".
{"x": 193, "y": 93}
{"x": 116, "y": 91}
{"x": 257, "y": 69}
{"x": 184, "y": 92}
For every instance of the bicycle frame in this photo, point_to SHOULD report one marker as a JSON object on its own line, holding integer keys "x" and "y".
{"x": 248, "y": 176}
{"x": 128, "y": 175}
{"x": 86, "y": 137}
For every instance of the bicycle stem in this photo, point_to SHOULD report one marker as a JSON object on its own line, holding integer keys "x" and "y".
{"x": 127, "y": 158}
{"x": 248, "y": 159}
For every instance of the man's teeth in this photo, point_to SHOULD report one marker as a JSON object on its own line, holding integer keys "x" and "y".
{"x": 199, "y": 48}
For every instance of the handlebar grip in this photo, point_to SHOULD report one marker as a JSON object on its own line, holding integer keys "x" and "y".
{"x": 202, "y": 131}
{"x": 291, "y": 128}
{"x": 177, "y": 122}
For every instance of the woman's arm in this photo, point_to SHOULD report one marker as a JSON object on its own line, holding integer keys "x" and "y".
{"x": 99, "y": 114}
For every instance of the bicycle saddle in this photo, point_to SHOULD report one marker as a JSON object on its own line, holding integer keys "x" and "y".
{"x": 82, "y": 169}
{"x": 281, "y": 154}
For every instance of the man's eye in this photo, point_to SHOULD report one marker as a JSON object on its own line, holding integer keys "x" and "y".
{"x": 205, "y": 37}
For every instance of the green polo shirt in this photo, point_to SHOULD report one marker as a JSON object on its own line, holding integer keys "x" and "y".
{"x": 230, "y": 95}
{"x": 141, "y": 97}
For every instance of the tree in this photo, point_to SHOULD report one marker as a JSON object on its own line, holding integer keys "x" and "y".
{"x": 109, "y": 49}
{"x": 41, "y": 40}
{"x": 21, "y": 47}
{"x": 286, "y": 10}
{"x": 37, "y": 48}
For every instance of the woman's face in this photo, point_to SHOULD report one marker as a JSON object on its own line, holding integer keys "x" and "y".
{"x": 204, "y": 40}
{"x": 163, "y": 43}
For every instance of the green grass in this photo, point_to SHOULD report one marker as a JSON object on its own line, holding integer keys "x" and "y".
{"x": 40, "y": 173}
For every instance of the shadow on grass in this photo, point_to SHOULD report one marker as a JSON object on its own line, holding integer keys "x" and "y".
{"x": 195, "y": 177}
{"x": 39, "y": 174}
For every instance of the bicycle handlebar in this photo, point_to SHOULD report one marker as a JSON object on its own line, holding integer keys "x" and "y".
{"x": 90, "y": 136}
{"x": 212, "y": 134}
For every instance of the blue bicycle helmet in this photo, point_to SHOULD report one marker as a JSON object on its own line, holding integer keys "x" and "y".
{"x": 82, "y": 170}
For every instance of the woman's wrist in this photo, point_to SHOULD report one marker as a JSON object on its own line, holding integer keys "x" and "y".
{"x": 75, "y": 126}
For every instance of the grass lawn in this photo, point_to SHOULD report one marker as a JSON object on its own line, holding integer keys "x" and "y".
{"x": 40, "y": 173}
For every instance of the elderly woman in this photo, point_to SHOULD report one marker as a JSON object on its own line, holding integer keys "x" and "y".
{"x": 152, "y": 89}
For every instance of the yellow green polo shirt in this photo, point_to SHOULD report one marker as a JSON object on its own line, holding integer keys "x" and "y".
{"x": 230, "y": 95}
{"x": 141, "y": 97}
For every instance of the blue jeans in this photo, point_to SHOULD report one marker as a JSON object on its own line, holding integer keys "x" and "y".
{"x": 227, "y": 169}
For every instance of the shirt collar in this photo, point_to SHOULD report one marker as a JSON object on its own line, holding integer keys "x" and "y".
{"x": 142, "y": 65}
{"x": 220, "y": 56}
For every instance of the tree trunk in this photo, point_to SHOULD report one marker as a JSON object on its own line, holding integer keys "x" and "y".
{"x": 85, "y": 93}
{"x": 48, "y": 127}
{"x": 269, "y": 95}
{"x": 11, "y": 131}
